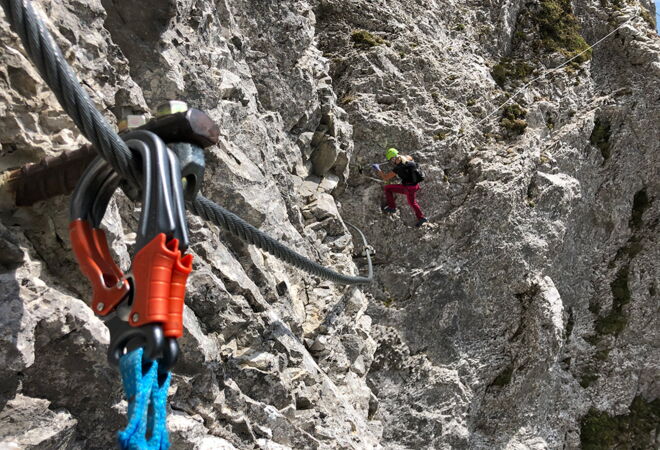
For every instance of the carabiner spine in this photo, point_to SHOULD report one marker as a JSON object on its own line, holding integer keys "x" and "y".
{"x": 182, "y": 268}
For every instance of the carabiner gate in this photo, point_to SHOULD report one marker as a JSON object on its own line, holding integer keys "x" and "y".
{"x": 145, "y": 307}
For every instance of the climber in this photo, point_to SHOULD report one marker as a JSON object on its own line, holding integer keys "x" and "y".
{"x": 406, "y": 169}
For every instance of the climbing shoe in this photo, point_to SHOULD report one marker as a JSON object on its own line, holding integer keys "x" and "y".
{"x": 388, "y": 210}
{"x": 421, "y": 222}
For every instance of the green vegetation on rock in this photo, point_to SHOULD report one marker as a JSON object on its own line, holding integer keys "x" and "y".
{"x": 600, "y": 137}
{"x": 507, "y": 69}
{"x": 560, "y": 31}
{"x": 637, "y": 429}
{"x": 364, "y": 39}
{"x": 513, "y": 119}
{"x": 614, "y": 4}
{"x": 345, "y": 100}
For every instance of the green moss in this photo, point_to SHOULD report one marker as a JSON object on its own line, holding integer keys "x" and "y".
{"x": 600, "y": 137}
{"x": 560, "y": 31}
{"x": 614, "y": 4}
{"x": 504, "y": 377}
{"x": 514, "y": 111}
{"x": 364, "y": 39}
{"x": 635, "y": 430}
{"x": 516, "y": 126}
{"x": 345, "y": 100}
{"x": 440, "y": 136}
{"x": 508, "y": 69}
{"x": 459, "y": 27}
{"x": 513, "y": 119}
{"x": 648, "y": 17}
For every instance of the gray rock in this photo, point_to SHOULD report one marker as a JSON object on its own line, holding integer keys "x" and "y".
{"x": 28, "y": 423}
{"x": 527, "y": 303}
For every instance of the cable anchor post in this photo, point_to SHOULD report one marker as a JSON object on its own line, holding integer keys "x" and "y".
{"x": 145, "y": 307}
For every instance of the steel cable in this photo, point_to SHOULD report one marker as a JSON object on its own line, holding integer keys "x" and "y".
{"x": 57, "y": 73}
{"x": 212, "y": 212}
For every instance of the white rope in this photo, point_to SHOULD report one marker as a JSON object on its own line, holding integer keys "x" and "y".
{"x": 589, "y": 47}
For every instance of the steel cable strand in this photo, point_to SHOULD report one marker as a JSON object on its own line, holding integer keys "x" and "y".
{"x": 57, "y": 73}
{"x": 54, "y": 69}
{"x": 212, "y": 212}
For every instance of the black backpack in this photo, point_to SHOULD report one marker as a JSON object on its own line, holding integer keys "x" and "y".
{"x": 417, "y": 174}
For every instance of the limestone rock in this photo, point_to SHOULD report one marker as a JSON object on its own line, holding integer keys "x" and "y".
{"x": 525, "y": 310}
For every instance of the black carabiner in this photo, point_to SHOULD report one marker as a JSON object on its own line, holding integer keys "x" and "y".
{"x": 143, "y": 309}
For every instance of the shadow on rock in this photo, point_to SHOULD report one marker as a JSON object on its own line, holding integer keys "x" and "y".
{"x": 11, "y": 314}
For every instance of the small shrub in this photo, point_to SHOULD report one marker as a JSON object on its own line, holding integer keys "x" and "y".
{"x": 513, "y": 119}
{"x": 637, "y": 429}
{"x": 560, "y": 31}
{"x": 459, "y": 27}
{"x": 648, "y": 17}
{"x": 364, "y": 39}
{"x": 507, "y": 69}
{"x": 616, "y": 5}
{"x": 345, "y": 100}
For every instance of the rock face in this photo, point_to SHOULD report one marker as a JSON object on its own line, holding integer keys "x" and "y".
{"x": 525, "y": 315}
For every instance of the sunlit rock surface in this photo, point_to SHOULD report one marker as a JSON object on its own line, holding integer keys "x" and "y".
{"x": 523, "y": 316}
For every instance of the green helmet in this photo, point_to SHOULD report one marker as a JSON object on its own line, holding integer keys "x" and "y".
{"x": 391, "y": 153}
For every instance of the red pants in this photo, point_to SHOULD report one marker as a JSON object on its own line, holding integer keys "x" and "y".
{"x": 409, "y": 191}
